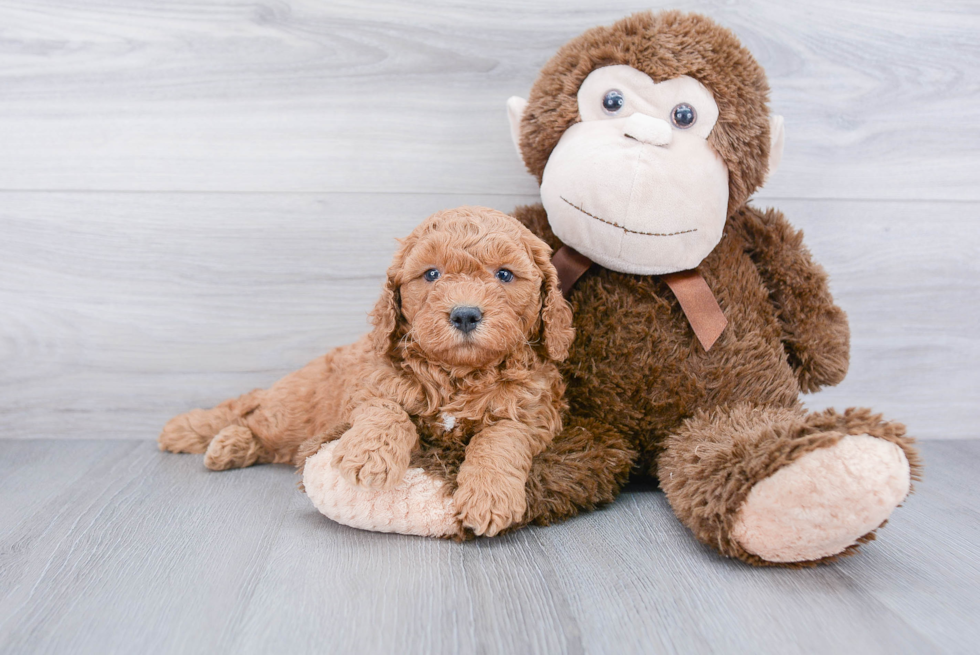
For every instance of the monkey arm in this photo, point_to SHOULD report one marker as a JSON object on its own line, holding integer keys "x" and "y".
{"x": 535, "y": 218}
{"x": 816, "y": 335}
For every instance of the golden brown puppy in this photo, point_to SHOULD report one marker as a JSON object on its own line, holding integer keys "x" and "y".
{"x": 465, "y": 335}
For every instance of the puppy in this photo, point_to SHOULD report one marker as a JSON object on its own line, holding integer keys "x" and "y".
{"x": 466, "y": 333}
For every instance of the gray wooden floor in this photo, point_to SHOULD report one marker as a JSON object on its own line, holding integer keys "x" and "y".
{"x": 111, "y": 546}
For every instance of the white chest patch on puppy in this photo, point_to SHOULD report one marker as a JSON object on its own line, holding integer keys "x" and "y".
{"x": 448, "y": 421}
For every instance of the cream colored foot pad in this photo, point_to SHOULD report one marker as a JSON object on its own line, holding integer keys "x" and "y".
{"x": 416, "y": 506}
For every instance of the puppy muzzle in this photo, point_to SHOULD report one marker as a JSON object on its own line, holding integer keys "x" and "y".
{"x": 465, "y": 318}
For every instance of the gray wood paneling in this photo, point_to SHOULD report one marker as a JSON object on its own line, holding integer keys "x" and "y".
{"x": 880, "y": 97}
{"x": 121, "y": 310}
{"x": 197, "y": 197}
{"x": 122, "y": 549}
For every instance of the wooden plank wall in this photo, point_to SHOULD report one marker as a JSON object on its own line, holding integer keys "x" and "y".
{"x": 201, "y": 195}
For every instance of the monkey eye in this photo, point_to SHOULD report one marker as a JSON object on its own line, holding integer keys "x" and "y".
{"x": 431, "y": 275}
{"x": 613, "y": 101}
{"x": 504, "y": 275}
{"x": 683, "y": 116}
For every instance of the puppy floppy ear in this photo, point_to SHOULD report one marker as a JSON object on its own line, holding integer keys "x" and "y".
{"x": 386, "y": 315}
{"x": 556, "y": 314}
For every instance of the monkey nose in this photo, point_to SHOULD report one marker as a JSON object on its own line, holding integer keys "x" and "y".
{"x": 647, "y": 129}
{"x": 465, "y": 319}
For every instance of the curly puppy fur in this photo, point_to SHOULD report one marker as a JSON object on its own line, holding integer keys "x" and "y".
{"x": 418, "y": 383}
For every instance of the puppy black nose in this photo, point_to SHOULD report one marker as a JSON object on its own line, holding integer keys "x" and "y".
{"x": 465, "y": 319}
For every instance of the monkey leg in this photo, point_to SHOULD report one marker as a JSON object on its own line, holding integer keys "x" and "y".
{"x": 778, "y": 486}
{"x": 584, "y": 467}
{"x": 417, "y": 505}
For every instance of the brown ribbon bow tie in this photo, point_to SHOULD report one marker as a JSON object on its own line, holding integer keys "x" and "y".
{"x": 692, "y": 292}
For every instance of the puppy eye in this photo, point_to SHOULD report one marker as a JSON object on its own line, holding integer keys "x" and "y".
{"x": 683, "y": 116}
{"x": 431, "y": 275}
{"x": 504, "y": 275}
{"x": 613, "y": 101}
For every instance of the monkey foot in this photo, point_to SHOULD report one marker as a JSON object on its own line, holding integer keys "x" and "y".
{"x": 822, "y": 503}
{"x": 417, "y": 505}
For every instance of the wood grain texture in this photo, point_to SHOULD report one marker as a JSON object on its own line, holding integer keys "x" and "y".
{"x": 123, "y": 549}
{"x": 121, "y": 310}
{"x": 880, "y": 98}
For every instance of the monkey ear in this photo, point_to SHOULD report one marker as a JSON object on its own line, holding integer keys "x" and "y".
{"x": 515, "y": 112}
{"x": 556, "y": 314}
{"x": 777, "y": 138}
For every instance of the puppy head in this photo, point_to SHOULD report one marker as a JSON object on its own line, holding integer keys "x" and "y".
{"x": 470, "y": 286}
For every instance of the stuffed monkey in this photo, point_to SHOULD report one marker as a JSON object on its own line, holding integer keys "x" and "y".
{"x": 699, "y": 319}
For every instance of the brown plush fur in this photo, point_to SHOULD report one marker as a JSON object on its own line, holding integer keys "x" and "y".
{"x": 712, "y": 462}
{"x": 637, "y": 369}
{"x": 582, "y": 469}
{"x": 396, "y": 386}
{"x": 643, "y": 395}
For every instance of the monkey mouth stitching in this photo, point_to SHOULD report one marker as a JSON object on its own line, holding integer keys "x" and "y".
{"x": 626, "y": 229}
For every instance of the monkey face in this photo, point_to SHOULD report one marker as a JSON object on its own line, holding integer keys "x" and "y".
{"x": 635, "y": 186}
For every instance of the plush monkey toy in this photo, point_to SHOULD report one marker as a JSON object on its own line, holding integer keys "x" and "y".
{"x": 699, "y": 318}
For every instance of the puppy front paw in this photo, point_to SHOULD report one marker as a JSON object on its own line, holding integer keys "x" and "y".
{"x": 488, "y": 503}
{"x": 370, "y": 460}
